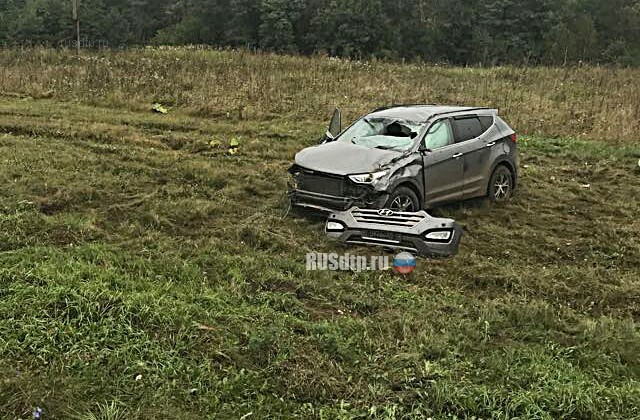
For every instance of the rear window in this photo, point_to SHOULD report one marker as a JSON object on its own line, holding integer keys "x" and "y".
{"x": 466, "y": 128}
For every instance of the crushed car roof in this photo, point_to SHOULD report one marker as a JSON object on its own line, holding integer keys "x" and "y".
{"x": 420, "y": 113}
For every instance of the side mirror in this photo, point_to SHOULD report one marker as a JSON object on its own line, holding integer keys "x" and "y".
{"x": 326, "y": 137}
{"x": 334, "y": 128}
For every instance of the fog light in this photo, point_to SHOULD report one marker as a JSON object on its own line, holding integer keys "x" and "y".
{"x": 334, "y": 226}
{"x": 439, "y": 235}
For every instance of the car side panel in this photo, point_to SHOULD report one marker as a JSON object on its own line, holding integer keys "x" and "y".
{"x": 504, "y": 128}
{"x": 479, "y": 154}
{"x": 408, "y": 171}
{"x": 443, "y": 179}
{"x": 509, "y": 149}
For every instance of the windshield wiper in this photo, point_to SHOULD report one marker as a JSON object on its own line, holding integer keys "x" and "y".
{"x": 386, "y": 148}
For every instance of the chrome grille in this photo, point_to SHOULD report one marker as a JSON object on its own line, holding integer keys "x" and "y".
{"x": 396, "y": 219}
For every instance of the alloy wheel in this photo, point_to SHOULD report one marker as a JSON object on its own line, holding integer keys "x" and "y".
{"x": 502, "y": 187}
{"x": 402, "y": 203}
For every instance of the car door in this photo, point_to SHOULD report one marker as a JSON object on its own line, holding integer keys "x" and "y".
{"x": 468, "y": 131}
{"x": 442, "y": 163}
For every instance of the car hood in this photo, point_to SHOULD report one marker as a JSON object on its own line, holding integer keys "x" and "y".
{"x": 344, "y": 158}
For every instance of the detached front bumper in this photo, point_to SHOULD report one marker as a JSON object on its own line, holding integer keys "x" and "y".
{"x": 402, "y": 230}
{"x": 330, "y": 203}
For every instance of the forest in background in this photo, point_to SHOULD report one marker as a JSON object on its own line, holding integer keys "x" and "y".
{"x": 475, "y": 32}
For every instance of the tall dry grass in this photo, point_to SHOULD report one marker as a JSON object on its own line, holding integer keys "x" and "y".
{"x": 592, "y": 102}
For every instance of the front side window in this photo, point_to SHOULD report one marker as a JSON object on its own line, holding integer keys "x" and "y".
{"x": 382, "y": 133}
{"x": 439, "y": 135}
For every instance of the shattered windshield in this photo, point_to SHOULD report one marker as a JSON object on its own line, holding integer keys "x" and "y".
{"x": 382, "y": 133}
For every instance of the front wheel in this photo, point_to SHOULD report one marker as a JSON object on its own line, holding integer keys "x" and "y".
{"x": 500, "y": 185}
{"x": 403, "y": 199}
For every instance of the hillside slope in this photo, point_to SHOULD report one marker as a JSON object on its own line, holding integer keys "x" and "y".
{"x": 145, "y": 271}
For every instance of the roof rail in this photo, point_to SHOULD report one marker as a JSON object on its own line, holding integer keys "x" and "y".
{"x": 382, "y": 108}
{"x": 481, "y": 108}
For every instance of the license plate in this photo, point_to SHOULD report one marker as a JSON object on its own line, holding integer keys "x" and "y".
{"x": 376, "y": 234}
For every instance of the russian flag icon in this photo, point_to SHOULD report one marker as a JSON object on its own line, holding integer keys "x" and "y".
{"x": 404, "y": 263}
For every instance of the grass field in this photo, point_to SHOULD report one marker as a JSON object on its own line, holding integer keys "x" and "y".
{"x": 147, "y": 273}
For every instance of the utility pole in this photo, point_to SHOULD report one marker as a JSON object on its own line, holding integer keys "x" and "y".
{"x": 76, "y": 3}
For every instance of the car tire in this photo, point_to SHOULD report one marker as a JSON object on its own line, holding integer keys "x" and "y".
{"x": 500, "y": 185}
{"x": 403, "y": 199}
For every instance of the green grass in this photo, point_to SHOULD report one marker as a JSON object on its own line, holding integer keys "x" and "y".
{"x": 147, "y": 273}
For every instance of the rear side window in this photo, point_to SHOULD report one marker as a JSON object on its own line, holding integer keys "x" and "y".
{"x": 486, "y": 121}
{"x": 466, "y": 128}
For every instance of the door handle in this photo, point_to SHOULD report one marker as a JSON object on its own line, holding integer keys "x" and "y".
{"x": 457, "y": 155}
{"x": 493, "y": 143}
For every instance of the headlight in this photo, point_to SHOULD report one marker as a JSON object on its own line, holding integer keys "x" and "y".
{"x": 334, "y": 226}
{"x": 439, "y": 235}
{"x": 367, "y": 178}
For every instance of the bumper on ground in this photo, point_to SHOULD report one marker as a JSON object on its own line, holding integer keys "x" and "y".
{"x": 402, "y": 231}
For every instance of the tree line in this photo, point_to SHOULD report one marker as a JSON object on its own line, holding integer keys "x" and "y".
{"x": 460, "y": 32}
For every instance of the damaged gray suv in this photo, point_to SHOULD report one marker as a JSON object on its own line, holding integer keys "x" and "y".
{"x": 407, "y": 158}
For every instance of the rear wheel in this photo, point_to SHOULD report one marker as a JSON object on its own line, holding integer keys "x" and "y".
{"x": 403, "y": 199}
{"x": 500, "y": 185}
